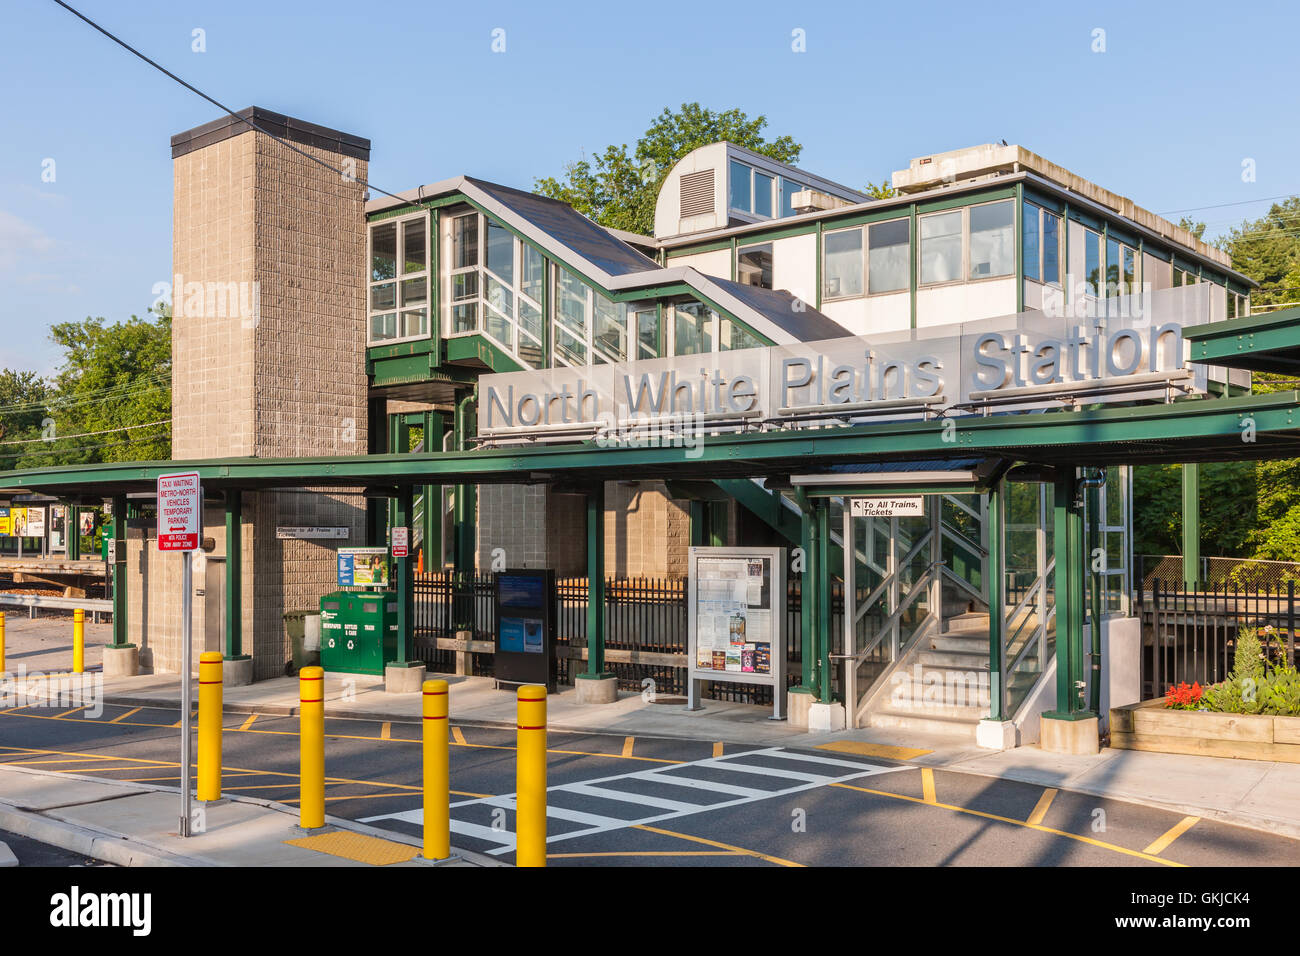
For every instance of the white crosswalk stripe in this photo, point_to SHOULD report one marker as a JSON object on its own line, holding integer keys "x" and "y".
{"x": 658, "y": 808}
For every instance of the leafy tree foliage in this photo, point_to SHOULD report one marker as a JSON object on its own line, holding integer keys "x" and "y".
{"x": 618, "y": 188}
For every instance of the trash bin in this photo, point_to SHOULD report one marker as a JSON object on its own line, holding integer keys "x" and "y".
{"x": 304, "y": 637}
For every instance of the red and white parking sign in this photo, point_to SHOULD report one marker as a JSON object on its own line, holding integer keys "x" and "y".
{"x": 180, "y": 512}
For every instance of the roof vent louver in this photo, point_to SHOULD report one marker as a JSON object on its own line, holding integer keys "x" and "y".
{"x": 697, "y": 194}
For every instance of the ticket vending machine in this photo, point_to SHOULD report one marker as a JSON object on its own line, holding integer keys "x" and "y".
{"x": 525, "y": 628}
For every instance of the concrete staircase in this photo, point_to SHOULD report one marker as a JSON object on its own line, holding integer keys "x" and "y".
{"x": 942, "y": 684}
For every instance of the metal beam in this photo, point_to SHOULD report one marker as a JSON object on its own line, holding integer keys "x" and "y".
{"x": 234, "y": 574}
{"x": 995, "y": 516}
{"x": 596, "y": 583}
{"x": 1191, "y": 479}
{"x": 119, "y": 570}
{"x": 404, "y": 572}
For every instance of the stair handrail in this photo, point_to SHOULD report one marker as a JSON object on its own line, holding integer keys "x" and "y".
{"x": 918, "y": 588}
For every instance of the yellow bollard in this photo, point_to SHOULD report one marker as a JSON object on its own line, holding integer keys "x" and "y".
{"x": 437, "y": 793}
{"x": 209, "y": 726}
{"x": 311, "y": 734}
{"x": 78, "y": 641}
{"x": 2, "y": 643}
{"x": 530, "y": 777}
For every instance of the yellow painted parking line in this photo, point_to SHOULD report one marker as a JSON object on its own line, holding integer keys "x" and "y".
{"x": 714, "y": 843}
{"x": 1044, "y": 804}
{"x": 1158, "y": 846}
{"x": 1142, "y": 855}
{"x": 628, "y": 742}
{"x": 358, "y": 847}
{"x": 97, "y": 768}
{"x": 69, "y": 713}
{"x": 864, "y": 749}
{"x": 927, "y": 786}
{"x": 121, "y": 717}
{"x": 576, "y": 856}
{"x": 386, "y": 731}
{"x": 458, "y": 736}
{"x": 717, "y": 749}
{"x": 249, "y": 722}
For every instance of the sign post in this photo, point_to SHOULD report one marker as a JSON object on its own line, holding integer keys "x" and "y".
{"x": 180, "y": 528}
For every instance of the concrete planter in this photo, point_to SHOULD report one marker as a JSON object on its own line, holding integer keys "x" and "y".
{"x": 1151, "y": 726}
{"x": 123, "y": 661}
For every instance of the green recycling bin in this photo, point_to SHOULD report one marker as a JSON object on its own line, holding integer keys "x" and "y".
{"x": 358, "y": 631}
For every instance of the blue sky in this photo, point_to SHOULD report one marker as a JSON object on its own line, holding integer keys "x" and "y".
{"x": 1181, "y": 96}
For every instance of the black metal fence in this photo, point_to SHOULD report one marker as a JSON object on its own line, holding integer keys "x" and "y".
{"x": 1190, "y": 634}
{"x": 646, "y": 616}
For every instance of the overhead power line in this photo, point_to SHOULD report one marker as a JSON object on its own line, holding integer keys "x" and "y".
{"x": 225, "y": 109}
{"x": 104, "y": 431}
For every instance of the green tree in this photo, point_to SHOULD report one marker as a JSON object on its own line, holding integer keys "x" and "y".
{"x": 111, "y": 396}
{"x": 618, "y": 188}
{"x": 24, "y": 404}
{"x": 885, "y": 190}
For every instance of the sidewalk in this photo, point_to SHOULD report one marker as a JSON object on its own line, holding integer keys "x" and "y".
{"x": 135, "y": 824}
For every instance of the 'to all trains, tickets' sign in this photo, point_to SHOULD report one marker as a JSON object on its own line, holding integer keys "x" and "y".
{"x": 180, "y": 512}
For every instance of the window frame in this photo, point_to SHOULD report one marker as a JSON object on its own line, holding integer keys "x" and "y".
{"x": 1041, "y": 214}
{"x": 400, "y": 277}
{"x": 964, "y": 274}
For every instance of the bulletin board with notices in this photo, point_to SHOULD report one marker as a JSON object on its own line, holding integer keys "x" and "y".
{"x": 737, "y": 619}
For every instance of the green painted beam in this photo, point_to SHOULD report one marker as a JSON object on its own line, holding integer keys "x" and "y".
{"x": 404, "y": 573}
{"x": 1191, "y": 482}
{"x": 997, "y": 606}
{"x": 234, "y": 574}
{"x": 1265, "y": 343}
{"x": 119, "y": 570}
{"x": 596, "y": 584}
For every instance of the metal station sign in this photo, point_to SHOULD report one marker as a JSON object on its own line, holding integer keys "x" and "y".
{"x": 180, "y": 512}
{"x": 888, "y": 507}
{"x": 401, "y": 542}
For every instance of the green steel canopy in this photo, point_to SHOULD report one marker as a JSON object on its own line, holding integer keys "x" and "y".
{"x": 1261, "y": 343}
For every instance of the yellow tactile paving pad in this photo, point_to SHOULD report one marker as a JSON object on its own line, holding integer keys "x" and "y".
{"x": 864, "y": 749}
{"x": 358, "y": 847}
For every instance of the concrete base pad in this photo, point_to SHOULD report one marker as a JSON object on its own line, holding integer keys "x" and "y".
{"x": 1069, "y": 736}
{"x": 403, "y": 680}
{"x": 826, "y": 717}
{"x": 796, "y": 708}
{"x": 122, "y": 661}
{"x": 600, "y": 690}
{"x": 995, "y": 734}
{"x": 237, "y": 672}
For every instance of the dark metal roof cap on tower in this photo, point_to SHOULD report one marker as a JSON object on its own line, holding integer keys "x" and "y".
{"x": 286, "y": 127}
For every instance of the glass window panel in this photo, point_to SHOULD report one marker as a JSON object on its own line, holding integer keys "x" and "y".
{"x": 571, "y": 302}
{"x": 1232, "y": 306}
{"x": 1030, "y": 249}
{"x": 610, "y": 332}
{"x": 415, "y": 291}
{"x": 533, "y": 272}
{"x": 383, "y": 296}
{"x": 383, "y": 326}
{"x": 500, "y": 297}
{"x": 693, "y": 332}
{"x": 754, "y": 266}
{"x": 464, "y": 285}
{"x": 992, "y": 242}
{"x": 499, "y": 327}
{"x": 1092, "y": 262}
{"x": 1051, "y": 247}
{"x": 572, "y": 349}
{"x": 647, "y": 334}
{"x": 530, "y": 318}
{"x": 415, "y": 322}
{"x": 788, "y": 189}
{"x": 383, "y": 252}
{"x": 529, "y": 351}
{"x": 762, "y": 194}
{"x": 734, "y": 336}
{"x": 415, "y": 246}
{"x": 464, "y": 246}
{"x": 1112, "y": 268}
{"x": 501, "y": 252}
{"x": 842, "y": 264}
{"x": 1129, "y": 275}
{"x": 941, "y": 247}
{"x": 888, "y": 257}
{"x": 464, "y": 318}
{"x": 740, "y": 187}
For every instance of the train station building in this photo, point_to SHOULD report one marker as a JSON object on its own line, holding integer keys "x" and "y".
{"x": 931, "y": 403}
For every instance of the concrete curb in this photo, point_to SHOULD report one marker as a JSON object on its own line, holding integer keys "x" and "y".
{"x": 7, "y": 857}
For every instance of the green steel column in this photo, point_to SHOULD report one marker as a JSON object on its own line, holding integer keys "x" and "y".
{"x": 699, "y": 523}
{"x": 995, "y": 515}
{"x": 404, "y": 572}
{"x": 596, "y": 584}
{"x": 822, "y": 587}
{"x": 234, "y": 574}
{"x": 1094, "y": 587}
{"x": 431, "y": 533}
{"x": 807, "y": 608}
{"x": 72, "y": 533}
{"x": 1068, "y": 545}
{"x": 119, "y": 570}
{"x": 464, "y": 542}
{"x": 1191, "y": 524}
